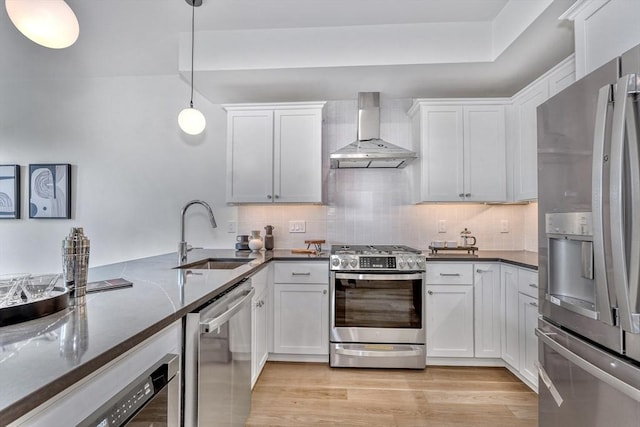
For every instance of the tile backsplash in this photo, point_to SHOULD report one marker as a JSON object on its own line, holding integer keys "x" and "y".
{"x": 373, "y": 206}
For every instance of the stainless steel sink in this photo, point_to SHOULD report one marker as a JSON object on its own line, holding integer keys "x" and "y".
{"x": 215, "y": 264}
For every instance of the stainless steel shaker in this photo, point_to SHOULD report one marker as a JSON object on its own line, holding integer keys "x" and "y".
{"x": 268, "y": 238}
{"x": 75, "y": 264}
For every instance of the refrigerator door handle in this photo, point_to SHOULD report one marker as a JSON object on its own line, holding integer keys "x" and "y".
{"x": 603, "y": 376}
{"x": 603, "y": 293}
{"x": 625, "y": 277}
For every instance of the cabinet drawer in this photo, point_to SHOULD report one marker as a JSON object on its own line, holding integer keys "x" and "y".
{"x": 449, "y": 273}
{"x": 301, "y": 272}
{"x": 528, "y": 283}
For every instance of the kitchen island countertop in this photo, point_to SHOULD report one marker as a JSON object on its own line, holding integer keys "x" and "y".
{"x": 35, "y": 362}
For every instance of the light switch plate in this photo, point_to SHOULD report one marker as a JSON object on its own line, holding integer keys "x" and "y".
{"x": 442, "y": 226}
{"x": 299, "y": 226}
{"x": 232, "y": 226}
{"x": 504, "y": 225}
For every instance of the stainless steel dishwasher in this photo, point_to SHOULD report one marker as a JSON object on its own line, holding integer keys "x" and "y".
{"x": 217, "y": 388}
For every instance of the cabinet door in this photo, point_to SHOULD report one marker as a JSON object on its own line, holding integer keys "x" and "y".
{"x": 297, "y": 172}
{"x": 528, "y": 340}
{"x": 259, "y": 333}
{"x": 449, "y": 324}
{"x": 301, "y": 319}
{"x": 442, "y": 155}
{"x": 487, "y": 310}
{"x": 485, "y": 178}
{"x": 249, "y": 156}
{"x": 509, "y": 313}
{"x": 526, "y": 150}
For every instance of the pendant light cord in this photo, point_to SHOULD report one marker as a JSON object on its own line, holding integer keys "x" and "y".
{"x": 193, "y": 13}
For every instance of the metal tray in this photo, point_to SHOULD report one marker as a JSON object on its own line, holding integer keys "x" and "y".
{"x": 59, "y": 300}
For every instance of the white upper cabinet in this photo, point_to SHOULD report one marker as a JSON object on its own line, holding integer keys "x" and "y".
{"x": 524, "y": 127}
{"x": 462, "y": 150}
{"x": 274, "y": 153}
{"x": 603, "y": 30}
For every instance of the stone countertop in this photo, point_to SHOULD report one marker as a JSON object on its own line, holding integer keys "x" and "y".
{"x": 525, "y": 259}
{"x": 42, "y": 357}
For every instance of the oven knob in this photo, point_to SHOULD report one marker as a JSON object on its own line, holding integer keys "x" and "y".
{"x": 401, "y": 263}
{"x": 343, "y": 263}
{"x": 410, "y": 262}
{"x": 335, "y": 262}
{"x": 420, "y": 262}
{"x": 353, "y": 263}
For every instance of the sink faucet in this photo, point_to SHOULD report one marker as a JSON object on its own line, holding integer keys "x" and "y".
{"x": 183, "y": 248}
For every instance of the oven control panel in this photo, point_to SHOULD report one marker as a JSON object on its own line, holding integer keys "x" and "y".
{"x": 413, "y": 262}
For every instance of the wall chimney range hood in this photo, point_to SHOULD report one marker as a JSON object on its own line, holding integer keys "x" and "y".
{"x": 369, "y": 151}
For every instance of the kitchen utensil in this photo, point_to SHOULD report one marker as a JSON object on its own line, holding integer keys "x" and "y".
{"x": 268, "y": 237}
{"x": 255, "y": 242}
{"x": 466, "y": 239}
{"x": 304, "y": 251}
{"x": 39, "y": 286}
{"x": 75, "y": 264}
{"x": 316, "y": 243}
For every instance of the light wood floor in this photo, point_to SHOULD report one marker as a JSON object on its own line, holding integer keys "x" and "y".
{"x": 304, "y": 394}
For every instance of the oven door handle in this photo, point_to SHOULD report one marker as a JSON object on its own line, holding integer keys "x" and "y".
{"x": 377, "y": 353}
{"x": 382, "y": 276}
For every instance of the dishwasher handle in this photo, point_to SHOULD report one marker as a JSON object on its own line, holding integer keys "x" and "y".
{"x": 209, "y": 325}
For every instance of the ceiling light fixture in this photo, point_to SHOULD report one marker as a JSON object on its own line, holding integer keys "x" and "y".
{"x": 191, "y": 120}
{"x": 50, "y": 23}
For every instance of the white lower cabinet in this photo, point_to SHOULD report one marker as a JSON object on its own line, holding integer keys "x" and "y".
{"x": 487, "y": 324}
{"x": 301, "y": 308}
{"x": 519, "y": 312}
{"x": 301, "y": 322}
{"x": 509, "y": 313}
{"x": 260, "y": 309}
{"x": 528, "y": 310}
{"x": 449, "y": 323}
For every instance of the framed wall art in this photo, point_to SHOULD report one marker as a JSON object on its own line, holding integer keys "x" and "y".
{"x": 50, "y": 191}
{"x": 9, "y": 191}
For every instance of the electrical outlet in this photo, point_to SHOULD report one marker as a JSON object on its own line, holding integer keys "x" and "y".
{"x": 442, "y": 226}
{"x": 504, "y": 225}
{"x": 299, "y": 226}
{"x": 232, "y": 226}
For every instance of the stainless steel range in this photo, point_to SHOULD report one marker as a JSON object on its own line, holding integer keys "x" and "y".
{"x": 377, "y": 307}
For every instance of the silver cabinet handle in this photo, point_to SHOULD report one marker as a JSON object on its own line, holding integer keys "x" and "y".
{"x": 482, "y": 271}
{"x": 277, "y": 196}
{"x": 430, "y": 292}
{"x": 450, "y": 274}
{"x": 534, "y": 304}
{"x": 324, "y": 292}
{"x": 308, "y": 273}
{"x": 461, "y": 195}
{"x": 467, "y": 195}
{"x": 603, "y": 295}
{"x": 269, "y": 196}
{"x": 592, "y": 369}
{"x": 533, "y": 285}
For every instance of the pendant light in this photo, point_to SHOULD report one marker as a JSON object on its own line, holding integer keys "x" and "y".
{"x": 50, "y": 23}
{"x": 191, "y": 120}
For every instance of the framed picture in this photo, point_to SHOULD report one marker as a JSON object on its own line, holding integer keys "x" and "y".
{"x": 9, "y": 191}
{"x": 50, "y": 191}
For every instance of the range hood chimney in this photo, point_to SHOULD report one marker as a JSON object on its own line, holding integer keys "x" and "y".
{"x": 369, "y": 151}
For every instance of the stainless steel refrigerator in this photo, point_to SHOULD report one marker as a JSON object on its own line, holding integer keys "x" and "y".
{"x": 589, "y": 249}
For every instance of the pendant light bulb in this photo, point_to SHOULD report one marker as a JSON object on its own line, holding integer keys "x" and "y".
{"x": 49, "y": 23}
{"x": 192, "y": 121}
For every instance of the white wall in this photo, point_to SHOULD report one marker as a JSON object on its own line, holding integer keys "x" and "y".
{"x": 132, "y": 168}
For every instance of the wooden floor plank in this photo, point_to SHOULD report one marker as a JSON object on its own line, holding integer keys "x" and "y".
{"x": 307, "y": 394}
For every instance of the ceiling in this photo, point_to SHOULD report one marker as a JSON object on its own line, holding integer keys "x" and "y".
{"x": 293, "y": 50}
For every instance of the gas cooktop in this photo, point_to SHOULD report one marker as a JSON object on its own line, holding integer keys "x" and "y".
{"x": 376, "y": 258}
